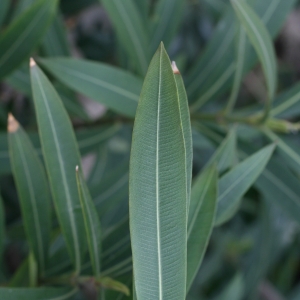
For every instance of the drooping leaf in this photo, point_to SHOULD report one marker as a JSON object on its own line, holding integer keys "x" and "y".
{"x": 158, "y": 204}
{"x": 235, "y": 183}
{"x": 261, "y": 41}
{"x": 43, "y": 293}
{"x": 130, "y": 30}
{"x": 167, "y": 17}
{"x": 33, "y": 191}
{"x": 61, "y": 155}
{"x": 91, "y": 222}
{"x": 116, "y": 89}
{"x": 186, "y": 128}
{"x": 18, "y": 41}
{"x": 201, "y": 219}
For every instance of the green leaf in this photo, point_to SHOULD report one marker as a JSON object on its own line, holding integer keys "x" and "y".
{"x": 43, "y": 293}
{"x": 55, "y": 42}
{"x": 201, "y": 219}
{"x": 116, "y": 89}
{"x": 33, "y": 191}
{"x": 130, "y": 30}
{"x": 235, "y": 183}
{"x": 261, "y": 41}
{"x": 4, "y": 6}
{"x": 91, "y": 222}
{"x": 61, "y": 156}
{"x": 167, "y": 17}
{"x": 23, "y": 35}
{"x": 186, "y": 127}
{"x": 111, "y": 284}
{"x": 157, "y": 187}
{"x": 225, "y": 155}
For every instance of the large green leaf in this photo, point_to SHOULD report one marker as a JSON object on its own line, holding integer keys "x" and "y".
{"x": 261, "y": 41}
{"x": 33, "y": 191}
{"x": 18, "y": 41}
{"x": 91, "y": 221}
{"x": 167, "y": 17}
{"x": 157, "y": 187}
{"x": 186, "y": 127}
{"x": 43, "y": 293}
{"x": 235, "y": 183}
{"x": 201, "y": 219}
{"x": 61, "y": 156}
{"x": 116, "y": 89}
{"x": 130, "y": 30}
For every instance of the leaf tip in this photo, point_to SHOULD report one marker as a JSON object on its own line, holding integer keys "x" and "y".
{"x": 174, "y": 68}
{"x": 32, "y": 62}
{"x": 12, "y": 123}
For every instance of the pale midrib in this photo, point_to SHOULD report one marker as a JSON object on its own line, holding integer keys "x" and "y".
{"x": 139, "y": 49}
{"x": 200, "y": 203}
{"x": 269, "y": 66}
{"x": 229, "y": 189}
{"x": 157, "y": 183}
{"x": 94, "y": 237}
{"x": 21, "y": 38}
{"x": 99, "y": 82}
{"x": 65, "y": 185}
{"x": 33, "y": 205}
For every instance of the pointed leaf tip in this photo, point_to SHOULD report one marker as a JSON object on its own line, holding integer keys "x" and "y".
{"x": 12, "y": 123}
{"x": 174, "y": 68}
{"x": 32, "y": 62}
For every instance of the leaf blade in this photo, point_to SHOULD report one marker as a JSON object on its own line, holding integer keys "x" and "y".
{"x": 158, "y": 123}
{"x": 33, "y": 191}
{"x": 61, "y": 156}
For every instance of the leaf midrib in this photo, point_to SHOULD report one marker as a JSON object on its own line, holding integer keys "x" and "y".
{"x": 64, "y": 177}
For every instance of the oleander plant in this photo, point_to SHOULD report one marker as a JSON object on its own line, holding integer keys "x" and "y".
{"x": 149, "y": 150}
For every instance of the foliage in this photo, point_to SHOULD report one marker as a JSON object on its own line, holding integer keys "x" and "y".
{"x": 185, "y": 186}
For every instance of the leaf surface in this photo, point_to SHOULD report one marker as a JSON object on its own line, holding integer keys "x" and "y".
{"x": 157, "y": 187}
{"x": 61, "y": 156}
{"x": 33, "y": 191}
{"x": 201, "y": 219}
{"x": 115, "y": 88}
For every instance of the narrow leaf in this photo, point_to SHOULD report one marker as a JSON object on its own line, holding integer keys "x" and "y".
{"x": 116, "y": 89}
{"x": 201, "y": 219}
{"x": 33, "y": 191}
{"x": 234, "y": 290}
{"x": 262, "y": 43}
{"x": 91, "y": 222}
{"x": 22, "y": 36}
{"x": 61, "y": 155}
{"x": 186, "y": 127}
{"x": 235, "y": 183}
{"x": 130, "y": 30}
{"x": 158, "y": 204}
